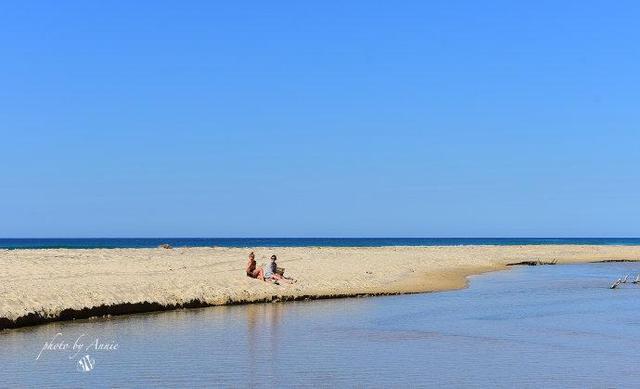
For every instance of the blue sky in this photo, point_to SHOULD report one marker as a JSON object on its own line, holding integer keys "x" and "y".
{"x": 449, "y": 118}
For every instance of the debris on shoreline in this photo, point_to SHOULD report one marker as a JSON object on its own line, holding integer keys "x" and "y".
{"x": 533, "y": 263}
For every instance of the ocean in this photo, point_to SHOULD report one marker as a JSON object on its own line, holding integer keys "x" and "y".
{"x": 91, "y": 243}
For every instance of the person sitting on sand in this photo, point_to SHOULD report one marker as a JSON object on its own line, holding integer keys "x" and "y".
{"x": 253, "y": 270}
{"x": 271, "y": 273}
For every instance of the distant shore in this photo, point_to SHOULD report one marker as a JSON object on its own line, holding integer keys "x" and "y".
{"x": 42, "y": 285}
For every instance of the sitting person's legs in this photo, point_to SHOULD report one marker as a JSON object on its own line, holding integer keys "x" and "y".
{"x": 278, "y": 277}
{"x": 258, "y": 273}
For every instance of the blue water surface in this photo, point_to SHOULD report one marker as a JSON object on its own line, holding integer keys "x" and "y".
{"x": 88, "y": 243}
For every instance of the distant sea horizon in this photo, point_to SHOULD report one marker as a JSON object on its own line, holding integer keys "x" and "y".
{"x": 94, "y": 243}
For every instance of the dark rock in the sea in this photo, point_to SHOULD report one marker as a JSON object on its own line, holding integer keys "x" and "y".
{"x": 165, "y": 246}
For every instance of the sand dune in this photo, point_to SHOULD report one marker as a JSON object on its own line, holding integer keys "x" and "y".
{"x": 58, "y": 284}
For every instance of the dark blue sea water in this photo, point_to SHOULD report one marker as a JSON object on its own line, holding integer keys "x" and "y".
{"x": 88, "y": 243}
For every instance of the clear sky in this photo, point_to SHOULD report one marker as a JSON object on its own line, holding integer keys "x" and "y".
{"x": 326, "y": 118}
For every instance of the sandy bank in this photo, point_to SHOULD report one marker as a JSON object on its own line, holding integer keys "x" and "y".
{"x": 60, "y": 284}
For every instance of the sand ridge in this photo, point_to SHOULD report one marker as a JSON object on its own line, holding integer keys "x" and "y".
{"x": 39, "y": 285}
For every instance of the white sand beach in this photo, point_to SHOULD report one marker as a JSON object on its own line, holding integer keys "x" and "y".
{"x": 39, "y": 285}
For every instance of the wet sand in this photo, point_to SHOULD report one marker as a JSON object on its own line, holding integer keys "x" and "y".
{"x": 62, "y": 284}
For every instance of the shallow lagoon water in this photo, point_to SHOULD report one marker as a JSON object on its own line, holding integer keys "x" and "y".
{"x": 551, "y": 326}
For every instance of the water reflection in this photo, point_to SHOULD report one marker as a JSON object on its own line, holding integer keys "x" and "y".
{"x": 263, "y": 329}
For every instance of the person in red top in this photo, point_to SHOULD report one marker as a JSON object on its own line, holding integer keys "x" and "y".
{"x": 253, "y": 270}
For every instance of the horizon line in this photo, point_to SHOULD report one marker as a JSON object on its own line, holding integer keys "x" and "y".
{"x": 333, "y": 237}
